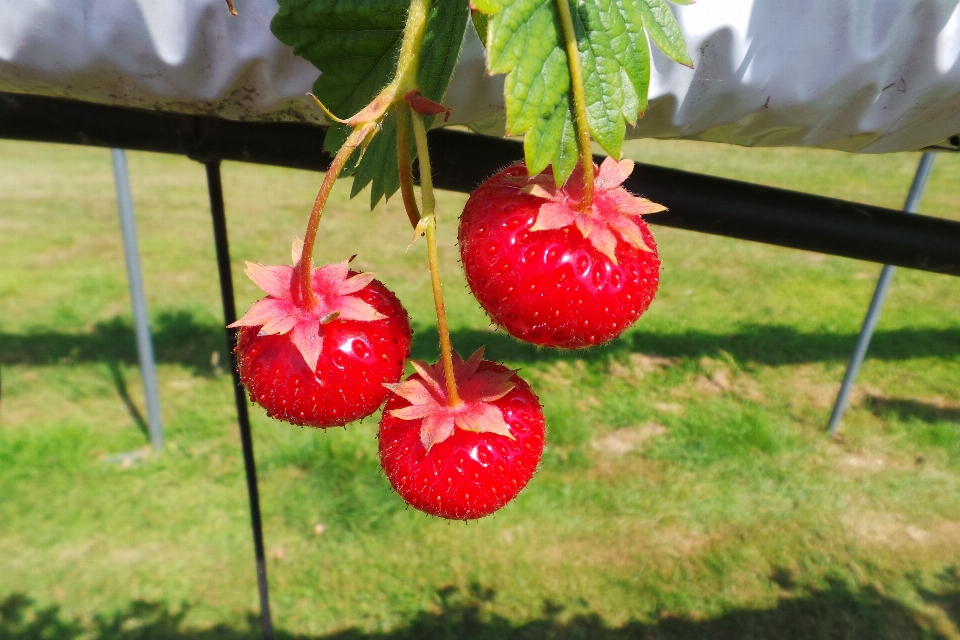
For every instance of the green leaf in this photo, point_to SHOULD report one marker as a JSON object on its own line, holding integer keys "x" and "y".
{"x": 602, "y": 77}
{"x": 525, "y": 41}
{"x": 446, "y": 26}
{"x": 379, "y": 164}
{"x": 629, "y": 45}
{"x": 355, "y": 45}
{"x": 480, "y": 25}
{"x": 664, "y": 30}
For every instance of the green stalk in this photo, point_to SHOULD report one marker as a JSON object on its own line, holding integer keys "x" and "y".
{"x": 579, "y": 101}
{"x": 409, "y": 60}
{"x": 429, "y": 208}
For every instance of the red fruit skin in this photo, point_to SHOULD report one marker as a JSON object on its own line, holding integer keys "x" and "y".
{"x": 357, "y": 359}
{"x": 552, "y": 287}
{"x": 469, "y": 475}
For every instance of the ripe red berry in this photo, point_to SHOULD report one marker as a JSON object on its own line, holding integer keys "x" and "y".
{"x": 461, "y": 462}
{"x": 550, "y": 273}
{"x": 325, "y": 366}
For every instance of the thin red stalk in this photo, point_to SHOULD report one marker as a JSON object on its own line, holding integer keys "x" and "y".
{"x": 404, "y": 81}
{"x": 356, "y": 137}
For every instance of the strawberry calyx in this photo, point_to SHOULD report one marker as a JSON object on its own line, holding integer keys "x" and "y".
{"x": 284, "y": 311}
{"x": 427, "y": 394}
{"x": 425, "y": 106}
{"x": 610, "y": 214}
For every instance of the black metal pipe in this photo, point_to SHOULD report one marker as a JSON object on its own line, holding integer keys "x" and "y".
{"x": 42, "y": 119}
{"x": 724, "y": 207}
{"x": 799, "y": 220}
{"x": 462, "y": 160}
{"x": 218, "y": 213}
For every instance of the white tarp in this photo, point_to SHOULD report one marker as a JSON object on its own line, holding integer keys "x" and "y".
{"x": 860, "y": 75}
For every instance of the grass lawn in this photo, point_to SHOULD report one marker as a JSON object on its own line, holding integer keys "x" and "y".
{"x": 687, "y": 490}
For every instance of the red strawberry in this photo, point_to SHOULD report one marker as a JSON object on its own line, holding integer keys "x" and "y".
{"x": 550, "y": 273}
{"x": 325, "y": 366}
{"x": 467, "y": 461}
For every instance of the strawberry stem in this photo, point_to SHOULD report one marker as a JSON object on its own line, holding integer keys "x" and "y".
{"x": 355, "y": 139}
{"x": 579, "y": 101}
{"x": 429, "y": 207}
{"x": 409, "y": 60}
{"x": 405, "y": 162}
{"x": 364, "y": 125}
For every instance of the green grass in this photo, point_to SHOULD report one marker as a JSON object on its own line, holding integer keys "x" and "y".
{"x": 687, "y": 489}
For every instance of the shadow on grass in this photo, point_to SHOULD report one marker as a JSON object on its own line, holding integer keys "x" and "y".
{"x": 906, "y": 409}
{"x": 761, "y": 344}
{"x": 180, "y": 338}
{"x": 120, "y": 382}
{"x": 832, "y": 612}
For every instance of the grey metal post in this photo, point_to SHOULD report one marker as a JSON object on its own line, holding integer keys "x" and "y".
{"x": 876, "y": 304}
{"x": 138, "y": 300}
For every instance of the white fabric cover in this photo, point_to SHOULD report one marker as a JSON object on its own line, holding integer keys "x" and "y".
{"x": 860, "y": 75}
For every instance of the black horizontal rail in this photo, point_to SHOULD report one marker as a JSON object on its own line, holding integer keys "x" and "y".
{"x": 462, "y": 160}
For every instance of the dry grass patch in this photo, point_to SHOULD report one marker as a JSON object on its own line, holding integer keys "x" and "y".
{"x": 721, "y": 381}
{"x": 810, "y": 391}
{"x": 623, "y": 441}
{"x": 624, "y": 547}
{"x": 637, "y": 366}
{"x": 561, "y": 374}
{"x": 894, "y": 531}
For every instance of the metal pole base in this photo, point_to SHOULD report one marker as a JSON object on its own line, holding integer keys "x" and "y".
{"x": 876, "y": 303}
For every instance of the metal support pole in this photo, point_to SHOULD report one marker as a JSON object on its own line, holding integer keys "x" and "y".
{"x": 138, "y": 299}
{"x": 217, "y": 211}
{"x": 876, "y": 304}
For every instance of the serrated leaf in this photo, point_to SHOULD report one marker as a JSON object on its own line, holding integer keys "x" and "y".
{"x": 602, "y": 79}
{"x": 446, "y": 27}
{"x": 629, "y": 45}
{"x": 525, "y": 42}
{"x": 480, "y": 25}
{"x": 355, "y": 45}
{"x": 664, "y": 30}
{"x": 569, "y": 153}
{"x": 542, "y": 144}
{"x": 379, "y": 165}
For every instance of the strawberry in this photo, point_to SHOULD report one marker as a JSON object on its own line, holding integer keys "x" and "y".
{"x": 550, "y": 273}
{"x": 466, "y": 461}
{"x": 323, "y": 366}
